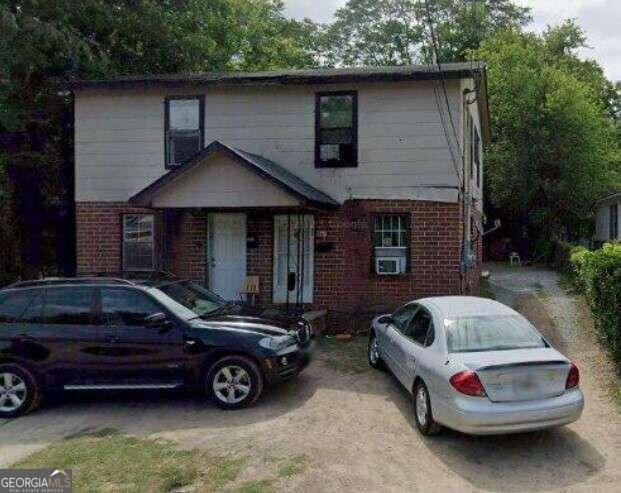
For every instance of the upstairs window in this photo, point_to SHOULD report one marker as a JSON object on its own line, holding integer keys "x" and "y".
{"x": 614, "y": 222}
{"x": 391, "y": 240}
{"x": 138, "y": 243}
{"x": 473, "y": 150}
{"x": 477, "y": 154}
{"x": 336, "y": 129}
{"x": 469, "y": 146}
{"x": 184, "y": 128}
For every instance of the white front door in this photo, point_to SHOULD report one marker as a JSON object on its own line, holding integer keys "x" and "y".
{"x": 294, "y": 257}
{"x": 227, "y": 254}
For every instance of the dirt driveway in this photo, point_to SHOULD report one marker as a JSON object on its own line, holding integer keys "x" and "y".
{"x": 356, "y": 430}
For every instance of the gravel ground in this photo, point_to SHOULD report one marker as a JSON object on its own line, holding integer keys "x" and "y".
{"x": 356, "y": 429}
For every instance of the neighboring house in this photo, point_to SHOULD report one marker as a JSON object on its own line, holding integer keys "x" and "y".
{"x": 607, "y": 212}
{"x": 336, "y": 187}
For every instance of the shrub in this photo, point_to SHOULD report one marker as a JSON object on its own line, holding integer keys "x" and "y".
{"x": 598, "y": 275}
{"x": 562, "y": 257}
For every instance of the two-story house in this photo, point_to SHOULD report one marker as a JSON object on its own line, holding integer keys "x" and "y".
{"x": 341, "y": 189}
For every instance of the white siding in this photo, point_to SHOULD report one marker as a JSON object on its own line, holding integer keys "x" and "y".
{"x": 219, "y": 183}
{"x": 403, "y": 151}
{"x": 602, "y": 220}
{"x": 476, "y": 187}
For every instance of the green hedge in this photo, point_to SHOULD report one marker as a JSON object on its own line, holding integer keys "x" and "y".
{"x": 563, "y": 252}
{"x": 598, "y": 275}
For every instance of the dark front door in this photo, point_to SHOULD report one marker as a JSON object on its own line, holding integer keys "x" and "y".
{"x": 136, "y": 354}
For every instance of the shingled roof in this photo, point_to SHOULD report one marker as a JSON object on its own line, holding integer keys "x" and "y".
{"x": 265, "y": 168}
{"x": 286, "y": 77}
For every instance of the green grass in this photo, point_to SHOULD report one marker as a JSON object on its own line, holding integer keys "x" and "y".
{"x": 345, "y": 356}
{"x": 293, "y": 466}
{"x": 105, "y": 461}
{"x": 541, "y": 292}
{"x": 567, "y": 283}
{"x": 485, "y": 290}
{"x": 287, "y": 468}
{"x": 261, "y": 486}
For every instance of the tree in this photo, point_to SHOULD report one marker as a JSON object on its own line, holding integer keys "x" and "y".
{"x": 64, "y": 39}
{"x": 554, "y": 147}
{"x": 396, "y": 32}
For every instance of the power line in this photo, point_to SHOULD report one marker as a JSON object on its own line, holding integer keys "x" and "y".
{"x": 436, "y": 50}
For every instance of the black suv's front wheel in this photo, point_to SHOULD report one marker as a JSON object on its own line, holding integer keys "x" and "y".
{"x": 234, "y": 382}
{"x": 19, "y": 392}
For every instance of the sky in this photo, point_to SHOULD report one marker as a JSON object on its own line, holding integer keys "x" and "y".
{"x": 601, "y": 20}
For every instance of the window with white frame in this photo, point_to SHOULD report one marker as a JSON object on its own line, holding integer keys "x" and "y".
{"x": 138, "y": 242}
{"x": 391, "y": 240}
{"x": 184, "y": 128}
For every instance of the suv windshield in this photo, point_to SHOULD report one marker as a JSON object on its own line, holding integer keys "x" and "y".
{"x": 194, "y": 297}
{"x": 491, "y": 333}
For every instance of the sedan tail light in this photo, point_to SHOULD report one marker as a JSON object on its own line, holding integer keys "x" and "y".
{"x": 573, "y": 377}
{"x": 467, "y": 382}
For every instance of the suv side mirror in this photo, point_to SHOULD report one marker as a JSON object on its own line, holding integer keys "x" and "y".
{"x": 157, "y": 321}
{"x": 385, "y": 319}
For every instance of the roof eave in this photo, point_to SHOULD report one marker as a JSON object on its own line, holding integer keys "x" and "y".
{"x": 144, "y": 198}
{"x": 276, "y": 79}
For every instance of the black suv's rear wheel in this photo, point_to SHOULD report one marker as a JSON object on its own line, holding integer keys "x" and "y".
{"x": 234, "y": 382}
{"x": 19, "y": 392}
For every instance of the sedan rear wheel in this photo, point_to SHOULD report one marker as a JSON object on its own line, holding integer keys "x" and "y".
{"x": 234, "y": 382}
{"x": 422, "y": 411}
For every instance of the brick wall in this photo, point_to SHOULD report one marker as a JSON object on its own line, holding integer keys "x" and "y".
{"x": 98, "y": 235}
{"x": 260, "y": 226}
{"x": 186, "y": 243}
{"x": 473, "y": 278}
{"x": 345, "y": 282}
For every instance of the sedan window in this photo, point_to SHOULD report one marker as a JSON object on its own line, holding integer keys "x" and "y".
{"x": 420, "y": 328}
{"x": 403, "y": 315}
{"x": 491, "y": 333}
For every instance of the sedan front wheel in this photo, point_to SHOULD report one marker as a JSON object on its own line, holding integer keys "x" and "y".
{"x": 375, "y": 359}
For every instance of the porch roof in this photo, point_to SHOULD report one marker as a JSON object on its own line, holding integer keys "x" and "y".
{"x": 277, "y": 175}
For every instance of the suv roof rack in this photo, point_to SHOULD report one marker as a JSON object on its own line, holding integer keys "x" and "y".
{"x": 70, "y": 280}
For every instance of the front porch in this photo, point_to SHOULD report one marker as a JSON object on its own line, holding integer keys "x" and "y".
{"x": 223, "y": 249}
{"x": 249, "y": 217}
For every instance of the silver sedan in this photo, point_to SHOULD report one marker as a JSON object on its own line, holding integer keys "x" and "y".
{"x": 475, "y": 365}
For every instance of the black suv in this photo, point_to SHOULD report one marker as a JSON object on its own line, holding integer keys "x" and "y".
{"x": 104, "y": 333}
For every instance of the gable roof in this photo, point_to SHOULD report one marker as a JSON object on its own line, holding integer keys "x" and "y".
{"x": 265, "y": 168}
{"x": 285, "y": 77}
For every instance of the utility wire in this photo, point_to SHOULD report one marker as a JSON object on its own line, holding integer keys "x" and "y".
{"x": 435, "y": 50}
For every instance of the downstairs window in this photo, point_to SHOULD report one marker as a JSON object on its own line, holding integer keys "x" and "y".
{"x": 138, "y": 242}
{"x": 391, "y": 240}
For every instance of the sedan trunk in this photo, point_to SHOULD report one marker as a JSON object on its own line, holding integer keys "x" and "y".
{"x": 519, "y": 375}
